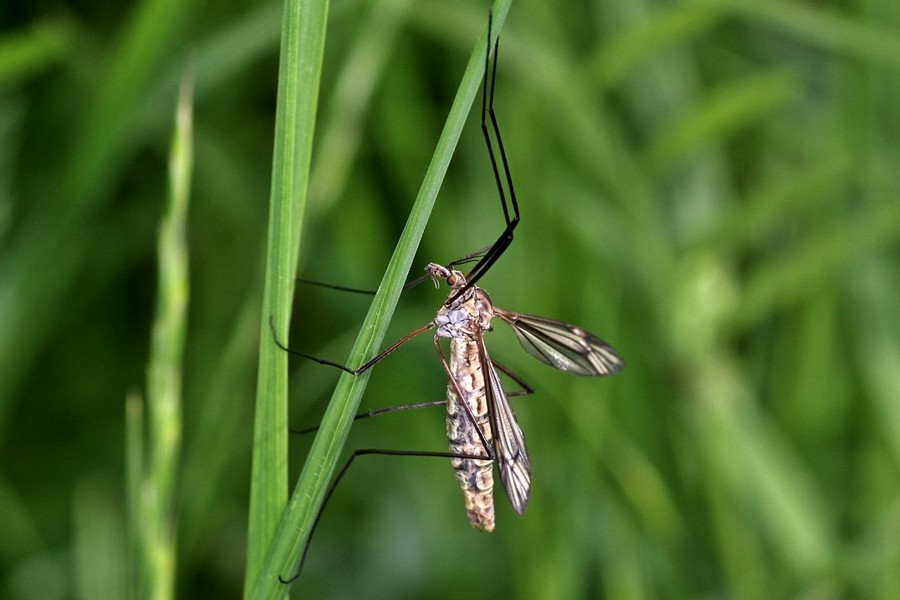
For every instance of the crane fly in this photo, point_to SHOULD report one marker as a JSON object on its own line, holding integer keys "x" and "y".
{"x": 480, "y": 418}
{"x": 481, "y": 426}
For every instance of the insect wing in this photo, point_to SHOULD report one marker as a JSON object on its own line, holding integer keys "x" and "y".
{"x": 509, "y": 442}
{"x": 563, "y": 346}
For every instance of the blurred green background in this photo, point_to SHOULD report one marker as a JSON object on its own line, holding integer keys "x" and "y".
{"x": 710, "y": 185}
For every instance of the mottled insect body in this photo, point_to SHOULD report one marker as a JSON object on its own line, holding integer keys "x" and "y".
{"x": 464, "y": 321}
{"x": 475, "y": 402}
{"x": 476, "y": 477}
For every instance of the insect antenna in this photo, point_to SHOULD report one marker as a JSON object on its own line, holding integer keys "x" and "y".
{"x": 525, "y": 391}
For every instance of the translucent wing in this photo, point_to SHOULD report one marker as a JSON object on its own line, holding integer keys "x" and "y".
{"x": 563, "y": 346}
{"x": 509, "y": 442}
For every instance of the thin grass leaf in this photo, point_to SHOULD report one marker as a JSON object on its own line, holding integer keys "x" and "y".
{"x": 302, "y": 46}
{"x": 156, "y": 519}
{"x": 102, "y": 140}
{"x": 306, "y": 500}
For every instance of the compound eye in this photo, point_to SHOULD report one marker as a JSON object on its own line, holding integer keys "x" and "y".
{"x": 452, "y": 279}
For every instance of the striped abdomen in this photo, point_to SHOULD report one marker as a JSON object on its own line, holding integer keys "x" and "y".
{"x": 475, "y": 476}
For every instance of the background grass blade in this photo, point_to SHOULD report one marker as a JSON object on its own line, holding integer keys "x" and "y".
{"x": 300, "y": 68}
{"x": 153, "y": 467}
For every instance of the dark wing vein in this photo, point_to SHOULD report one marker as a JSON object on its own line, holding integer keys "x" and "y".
{"x": 509, "y": 442}
{"x": 563, "y": 346}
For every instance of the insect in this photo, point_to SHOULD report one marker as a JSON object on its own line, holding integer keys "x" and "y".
{"x": 481, "y": 425}
{"x": 480, "y": 418}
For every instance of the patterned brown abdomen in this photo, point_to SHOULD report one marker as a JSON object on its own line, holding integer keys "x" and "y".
{"x": 475, "y": 476}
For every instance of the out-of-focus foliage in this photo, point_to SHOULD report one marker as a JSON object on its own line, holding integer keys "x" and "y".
{"x": 711, "y": 185}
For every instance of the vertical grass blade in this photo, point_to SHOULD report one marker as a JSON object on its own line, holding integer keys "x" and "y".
{"x": 156, "y": 519}
{"x": 305, "y": 502}
{"x": 302, "y": 44}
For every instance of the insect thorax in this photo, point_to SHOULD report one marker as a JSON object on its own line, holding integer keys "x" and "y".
{"x": 468, "y": 316}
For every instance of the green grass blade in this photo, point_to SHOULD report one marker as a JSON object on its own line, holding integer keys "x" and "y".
{"x": 302, "y": 45}
{"x": 102, "y": 138}
{"x": 156, "y": 518}
{"x": 306, "y": 501}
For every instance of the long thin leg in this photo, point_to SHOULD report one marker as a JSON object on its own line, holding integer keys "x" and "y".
{"x": 487, "y": 109}
{"x": 343, "y": 471}
{"x": 489, "y": 455}
{"x": 525, "y": 391}
{"x": 474, "y": 256}
{"x": 342, "y": 288}
{"x": 460, "y": 395}
{"x": 471, "y": 257}
{"x": 379, "y": 411}
{"x": 511, "y": 216}
{"x": 361, "y": 369}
